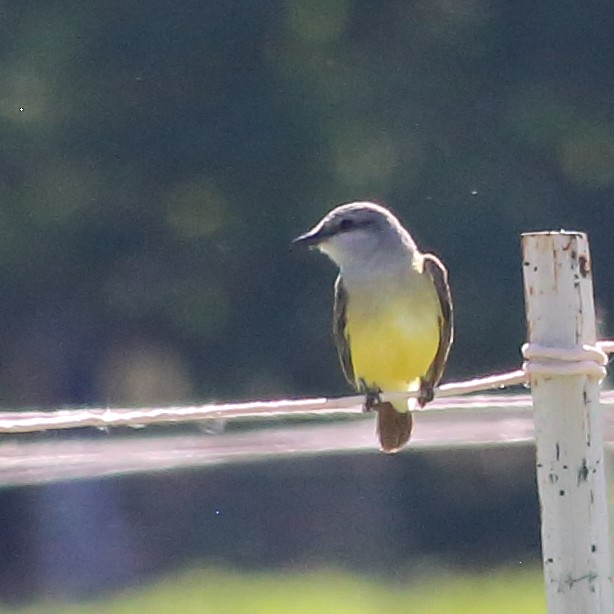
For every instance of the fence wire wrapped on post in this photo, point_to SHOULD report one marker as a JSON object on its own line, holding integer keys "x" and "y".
{"x": 565, "y": 368}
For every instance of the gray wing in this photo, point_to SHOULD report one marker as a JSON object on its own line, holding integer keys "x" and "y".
{"x": 434, "y": 268}
{"x": 340, "y": 333}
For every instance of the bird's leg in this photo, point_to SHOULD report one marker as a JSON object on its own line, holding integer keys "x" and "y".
{"x": 372, "y": 395}
{"x": 426, "y": 394}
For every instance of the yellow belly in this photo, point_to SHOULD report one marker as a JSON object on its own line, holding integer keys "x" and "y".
{"x": 394, "y": 345}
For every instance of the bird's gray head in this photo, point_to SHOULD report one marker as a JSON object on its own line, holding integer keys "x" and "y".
{"x": 360, "y": 236}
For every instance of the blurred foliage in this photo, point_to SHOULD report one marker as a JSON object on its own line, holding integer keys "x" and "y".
{"x": 156, "y": 160}
{"x": 507, "y": 591}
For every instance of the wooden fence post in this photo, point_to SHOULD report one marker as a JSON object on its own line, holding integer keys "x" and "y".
{"x": 568, "y": 431}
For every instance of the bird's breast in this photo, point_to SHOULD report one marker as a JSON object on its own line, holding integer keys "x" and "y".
{"x": 393, "y": 331}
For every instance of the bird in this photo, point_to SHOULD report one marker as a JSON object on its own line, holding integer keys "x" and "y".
{"x": 392, "y": 313}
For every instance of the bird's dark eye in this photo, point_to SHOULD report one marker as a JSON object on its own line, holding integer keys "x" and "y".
{"x": 346, "y": 224}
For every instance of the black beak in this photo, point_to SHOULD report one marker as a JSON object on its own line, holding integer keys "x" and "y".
{"x": 310, "y": 238}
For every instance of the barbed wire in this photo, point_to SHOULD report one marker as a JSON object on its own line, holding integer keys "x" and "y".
{"x": 449, "y": 396}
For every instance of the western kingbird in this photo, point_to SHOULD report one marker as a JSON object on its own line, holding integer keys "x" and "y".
{"x": 392, "y": 316}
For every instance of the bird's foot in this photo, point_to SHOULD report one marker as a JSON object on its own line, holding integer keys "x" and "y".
{"x": 372, "y": 396}
{"x": 426, "y": 394}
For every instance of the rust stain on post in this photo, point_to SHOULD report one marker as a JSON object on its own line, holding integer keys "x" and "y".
{"x": 583, "y": 472}
{"x": 585, "y": 265}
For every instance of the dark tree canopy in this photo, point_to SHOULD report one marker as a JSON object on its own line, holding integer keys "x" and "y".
{"x": 156, "y": 159}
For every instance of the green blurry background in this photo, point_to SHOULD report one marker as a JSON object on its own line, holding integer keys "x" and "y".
{"x": 157, "y": 158}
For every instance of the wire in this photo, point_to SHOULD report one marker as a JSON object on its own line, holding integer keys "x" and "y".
{"x": 586, "y": 360}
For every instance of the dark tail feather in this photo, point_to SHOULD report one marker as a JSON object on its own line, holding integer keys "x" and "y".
{"x": 393, "y": 427}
